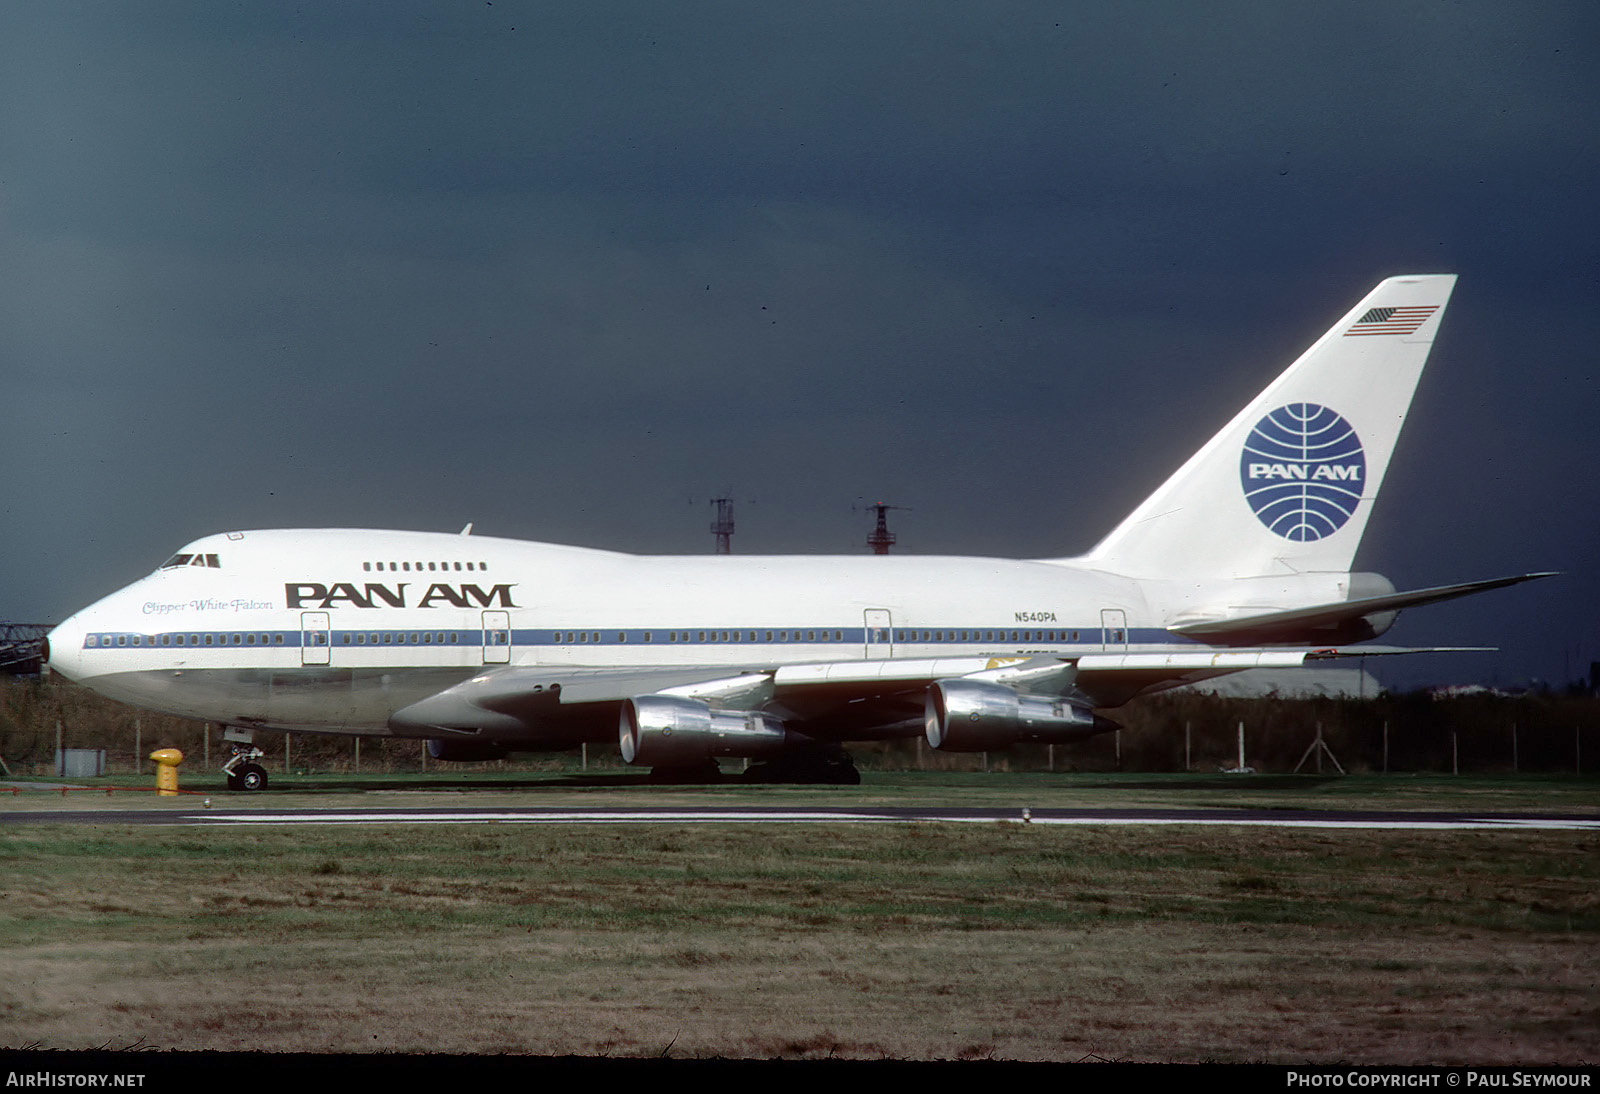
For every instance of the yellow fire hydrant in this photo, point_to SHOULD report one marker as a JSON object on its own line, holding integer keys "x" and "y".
{"x": 167, "y": 761}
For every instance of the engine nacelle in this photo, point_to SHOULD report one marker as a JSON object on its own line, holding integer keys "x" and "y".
{"x": 675, "y": 731}
{"x": 975, "y": 716}
{"x": 465, "y": 751}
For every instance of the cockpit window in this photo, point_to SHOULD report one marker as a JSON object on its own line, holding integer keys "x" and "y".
{"x": 181, "y": 559}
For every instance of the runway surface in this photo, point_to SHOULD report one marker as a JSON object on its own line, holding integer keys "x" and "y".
{"x": 1270, "y": 818}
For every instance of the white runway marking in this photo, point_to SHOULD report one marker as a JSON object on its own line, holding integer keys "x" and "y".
{"x": 1558, "y": 823}
{"x": 555, "y": 818}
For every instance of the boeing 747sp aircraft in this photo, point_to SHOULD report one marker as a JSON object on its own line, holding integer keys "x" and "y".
{"x": 487, "y": 646}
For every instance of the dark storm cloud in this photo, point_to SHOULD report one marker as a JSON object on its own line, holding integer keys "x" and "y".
{"x": 565, "y": 270}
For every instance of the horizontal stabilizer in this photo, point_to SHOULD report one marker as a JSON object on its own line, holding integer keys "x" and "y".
{"x": 1111, "y": 679}
{"x": 1329, "y": 615}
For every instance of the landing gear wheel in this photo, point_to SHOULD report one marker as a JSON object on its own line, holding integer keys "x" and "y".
{"x": 249, "y": 778}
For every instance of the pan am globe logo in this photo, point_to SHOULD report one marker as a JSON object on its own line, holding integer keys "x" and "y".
{"x": 1303, "y": 471}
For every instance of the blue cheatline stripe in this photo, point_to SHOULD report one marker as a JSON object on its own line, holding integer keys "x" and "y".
{"x": 1084, "y": 638}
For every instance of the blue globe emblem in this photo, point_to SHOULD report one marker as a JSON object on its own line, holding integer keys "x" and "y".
{"x": 1303, "y": 471}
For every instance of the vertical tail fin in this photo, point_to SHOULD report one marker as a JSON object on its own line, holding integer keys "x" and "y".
{"x": 1288, "y": 485}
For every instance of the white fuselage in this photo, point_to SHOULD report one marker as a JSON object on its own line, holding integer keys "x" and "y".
{"x": 334, "y": 630}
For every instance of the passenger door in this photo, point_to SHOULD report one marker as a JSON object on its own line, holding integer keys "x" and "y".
{"x": 315, "y": 645}
{"x": 496, "y": 638}
{"x": 1113, "y": 629}
{"x": 880, "y": 634}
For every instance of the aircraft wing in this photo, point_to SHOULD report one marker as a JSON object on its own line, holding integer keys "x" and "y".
{"x": 508, "y": 702}
{"x": 832, "y": 700}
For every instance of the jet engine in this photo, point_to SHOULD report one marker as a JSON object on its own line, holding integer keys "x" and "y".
{"x": 675, "y": 731}
{"x": 975, "y": 716}
{"x": 464, "y": 751}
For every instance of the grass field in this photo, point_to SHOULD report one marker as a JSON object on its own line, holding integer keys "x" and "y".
{"x": 897, "y": 941}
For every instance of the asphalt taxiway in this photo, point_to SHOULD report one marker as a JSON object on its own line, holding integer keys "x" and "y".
{"x": 1271, "y": 818}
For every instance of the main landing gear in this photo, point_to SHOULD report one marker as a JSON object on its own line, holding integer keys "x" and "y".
{"x": 242, "y": 770}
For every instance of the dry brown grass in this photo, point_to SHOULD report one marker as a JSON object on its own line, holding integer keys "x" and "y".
{"x": 921, "y": 942}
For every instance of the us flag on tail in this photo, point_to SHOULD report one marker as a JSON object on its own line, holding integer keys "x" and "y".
{"x": 1391, "y": 320}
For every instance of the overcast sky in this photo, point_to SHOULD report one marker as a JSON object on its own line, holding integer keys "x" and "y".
{"x": 568, "y": 271}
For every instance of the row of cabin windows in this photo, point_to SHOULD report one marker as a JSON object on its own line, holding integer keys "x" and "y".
{"x": 427, "y": 638}
{"x": 413, "y": 638}
{"x": 991, "y": 636}
{"x": 390, "y": 638}
{"x": 421, "y": 566}
{"x": 581, "y": 637}
{"x": 191, "y": 640}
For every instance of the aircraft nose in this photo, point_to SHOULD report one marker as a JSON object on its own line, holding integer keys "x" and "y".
{"x": 63, "y": 648}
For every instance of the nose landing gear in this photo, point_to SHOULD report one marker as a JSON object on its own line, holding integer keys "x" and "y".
{"x": 243, "y": 772}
